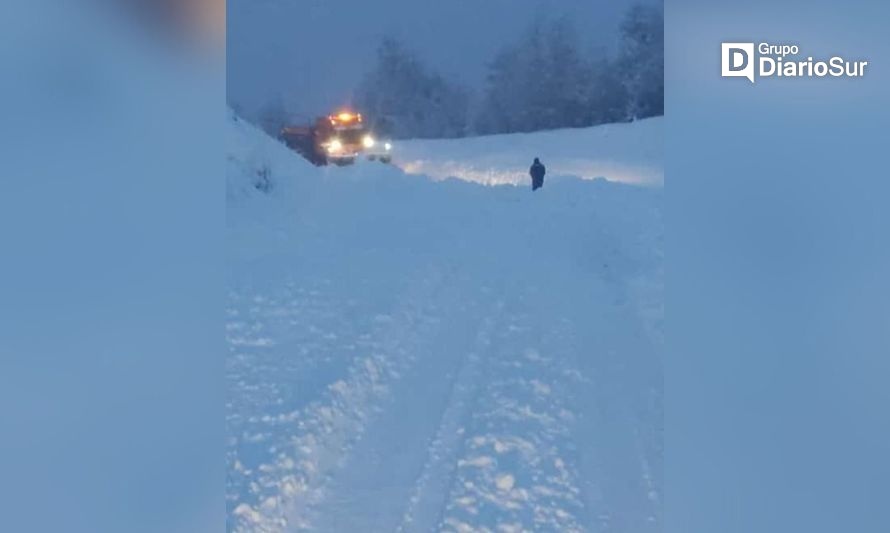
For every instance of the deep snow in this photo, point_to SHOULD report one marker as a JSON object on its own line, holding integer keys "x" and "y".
{"x": 407, "y": 354}
{"x": 627, "y": 153}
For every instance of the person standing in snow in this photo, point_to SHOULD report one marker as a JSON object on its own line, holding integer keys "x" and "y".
{"x": 537, "y": 172}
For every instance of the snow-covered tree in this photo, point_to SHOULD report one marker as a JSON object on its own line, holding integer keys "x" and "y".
{"x": 567, "y": 81}
{"x": 544, "y": 81}
{"x": 404, "y": 99}
{"x": 641, "y": 60}
{"x": 504, "y": 106}
{"x": 607, "y": 98}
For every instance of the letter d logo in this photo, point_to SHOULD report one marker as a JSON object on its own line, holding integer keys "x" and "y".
{"x": 738, "y": 60}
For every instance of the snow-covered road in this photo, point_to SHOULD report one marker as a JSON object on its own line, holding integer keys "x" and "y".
{"x": 406, "y": 355}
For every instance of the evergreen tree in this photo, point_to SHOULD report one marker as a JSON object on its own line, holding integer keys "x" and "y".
{"x": 641, "y": 60}
{"x": 544, "y": 82}
{"x": 607, "y": 97}
{"x": 405, "y": 100}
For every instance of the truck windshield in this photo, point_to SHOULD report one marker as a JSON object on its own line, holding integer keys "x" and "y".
{"x": 350, "y": 136}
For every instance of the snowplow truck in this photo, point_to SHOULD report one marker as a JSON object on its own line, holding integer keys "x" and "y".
{"x": 337, "y": 139}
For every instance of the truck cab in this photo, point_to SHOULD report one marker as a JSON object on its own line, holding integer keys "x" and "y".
{"x": 343, "y": 137}
{"x": 339, "y": 139}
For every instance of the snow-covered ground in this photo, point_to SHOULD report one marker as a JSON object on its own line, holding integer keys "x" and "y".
{"x": 627, "y": 153}
{"x": 407, "y": 354}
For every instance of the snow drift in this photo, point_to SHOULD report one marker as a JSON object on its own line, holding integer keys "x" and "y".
{"x": 626, "y": 153}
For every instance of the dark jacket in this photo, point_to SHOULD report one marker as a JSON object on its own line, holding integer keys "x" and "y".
{"x": 537, "y": 172}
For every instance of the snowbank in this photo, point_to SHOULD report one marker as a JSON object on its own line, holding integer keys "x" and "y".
{"x": 627, "y": 153}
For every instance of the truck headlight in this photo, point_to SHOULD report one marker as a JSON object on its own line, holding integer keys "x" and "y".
{"x": 335, "y": 145}
{"x": 368, "y": 141}
{"x": 388, "y": 146}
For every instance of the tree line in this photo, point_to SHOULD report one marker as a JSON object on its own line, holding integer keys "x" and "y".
{"x": 541, "y": 81}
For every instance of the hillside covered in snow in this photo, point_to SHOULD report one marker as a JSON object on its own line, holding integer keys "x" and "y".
{"x": 412, "y": 353}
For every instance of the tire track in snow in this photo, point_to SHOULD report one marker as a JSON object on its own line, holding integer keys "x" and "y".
{"x": 515, "y": 472}
{"x": 369, "y": 489}
{"x": 313, "y": 441}
{"x": 435, "y": 479}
